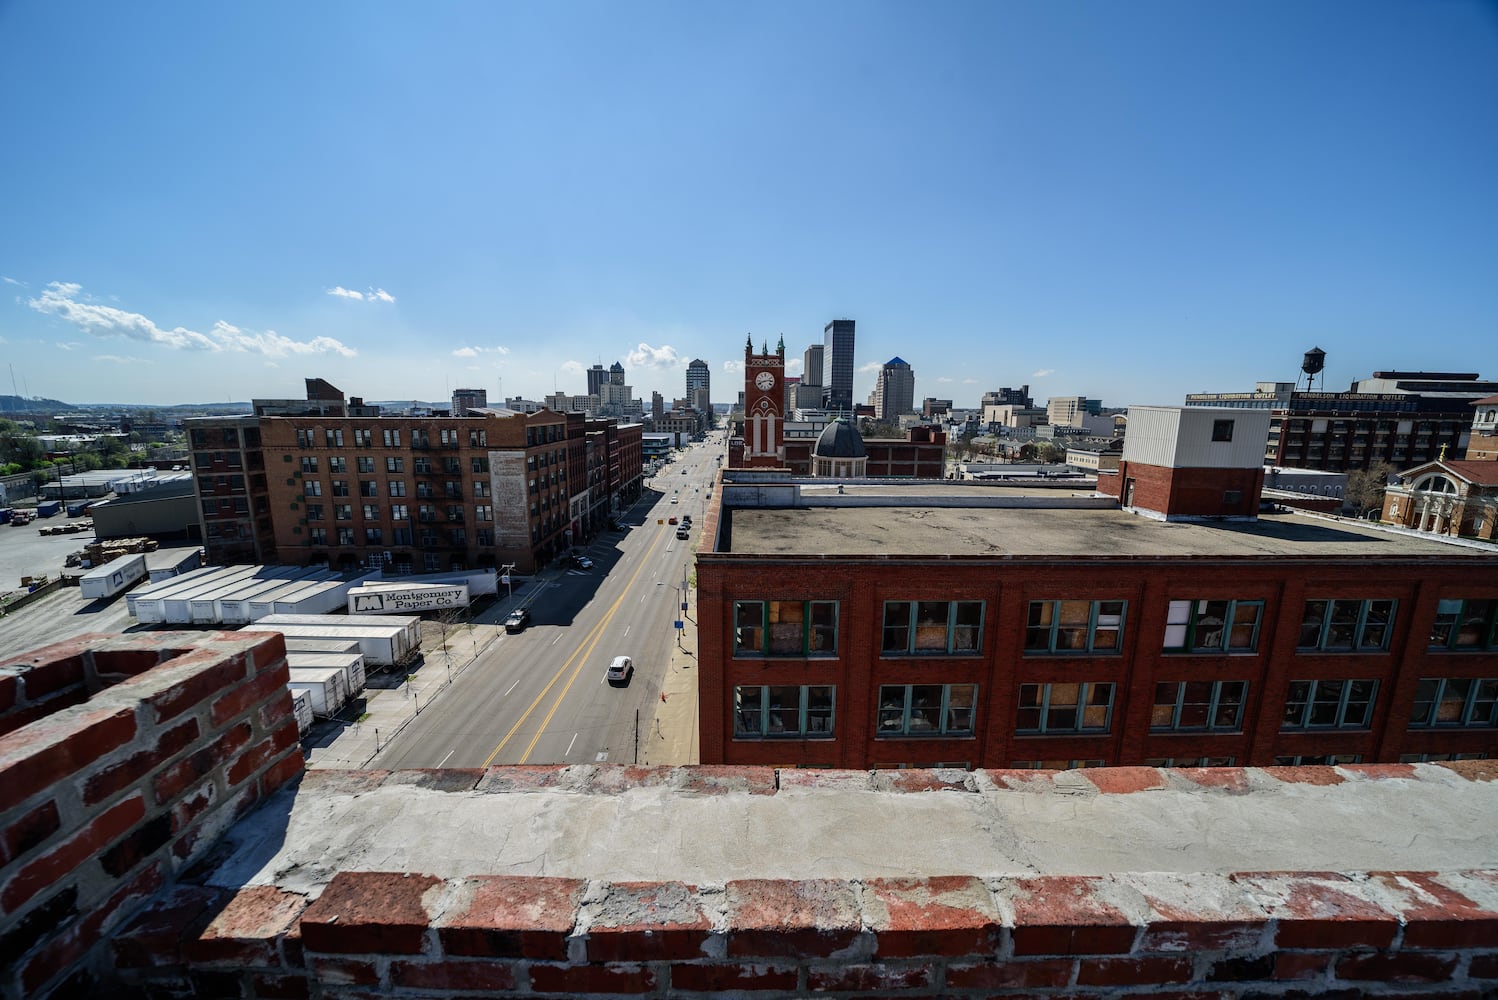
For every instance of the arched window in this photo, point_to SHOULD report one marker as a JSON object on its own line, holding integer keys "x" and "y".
{"x": 1435, "y": 483}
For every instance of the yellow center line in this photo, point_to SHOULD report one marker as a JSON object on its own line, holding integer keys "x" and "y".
{"x": 590, "y": 641}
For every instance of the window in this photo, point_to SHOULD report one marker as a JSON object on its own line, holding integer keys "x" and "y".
{"x": 314, "y": 512}
{"x": 431, "y": 562}
{"x": 340, "y": 487}
{"x": 1085, "y": 626}
{"x": 312, "y": 488}
{"x": 369, "y": 488}
{"x": 304, "y": 438}
{"x": 483, "y": 512}
{"x": 1330, "y": 704}
{"x": 1449, "y": 701}
{"x": 485, "y": 536}
{"x": 1420, "y": 758}
{"x": 343, "y": 512}
{"x": 365, "y": 464}
{"x": 395, "y": 464}
{"x": 773, "y": 712}
{"x": 1188, "y": 762}
{"x": 362, "y": 438}
{"x": 785, "y": 628}
{"x": 452, "y": 466}
{"x": 1198, "y": 705}
{"x": 1062, "y": 764}
{"x": 457, "y": 536}
{"x": 454, "y": 513}
{"x": 309, "y": 464}
{"x": 372, "y": 536}
{"x": 926, "y": 709}
{"x": 345, "y": 536}
{"x": 1222, "y": 430}
{"x": 1213, "y": 626}
{"x": 397, "y": 487}
{"x": 932, "y": 627}
{"x": 481, "y": 489}
{"x": 334, "y": 438}
{"x": 1465, "y": 625}
{"x": 480, "y": 465}
{"x": 1345, "y": 626}
{"x": 317, "y": 536}
{"x": 1318, "y": 760}
{"x": 478, "y": 439}
{"x": 391, "y": 438}
{"x": 337, "y": 464}
{"x": 1064, "y": 708}
{"x": 371, "y": 512}
{"x": 399, "y": 512}
{"x": 400, "y": 536}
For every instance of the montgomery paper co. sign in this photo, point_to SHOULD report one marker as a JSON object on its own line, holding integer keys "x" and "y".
{"x": 400, "y": 602}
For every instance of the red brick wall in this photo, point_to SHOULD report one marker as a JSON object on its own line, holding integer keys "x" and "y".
{"x": 862, "y": 585}
{"x": 1221, "y": 935}
{"x": 1189, "y": 492}
{"x": 103, "y": 801}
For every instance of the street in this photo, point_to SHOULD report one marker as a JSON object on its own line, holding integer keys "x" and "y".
{"x": 541, "y": 696}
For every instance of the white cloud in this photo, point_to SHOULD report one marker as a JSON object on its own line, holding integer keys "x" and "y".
{"x": 119, "y": 359}
{"x": 733, "y": 366}
{"x": 943, "y": 378}
{"x": 472, "y": 368}
{"x": 371, "y": 295}
{"x": 67, "y": 345}
{"x": 473, "y": 352}
{"x": 793, "y": 366}
{"x": 969, "y": 381}
{"x": 67, "y": 301}
{"x": 869, "y": 368}
{"x": 573, "y": 367}
{"x": 465, "y": 352}
{"x": 12, "y": 281}
{"x": 645, "y": 356}
{"x": 1043, "y": 373}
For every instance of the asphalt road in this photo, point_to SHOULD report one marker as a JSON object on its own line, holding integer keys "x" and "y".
{"x": 541, "y": 696}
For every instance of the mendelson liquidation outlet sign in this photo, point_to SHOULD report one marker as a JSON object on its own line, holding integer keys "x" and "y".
{"x": 407, "y": 600}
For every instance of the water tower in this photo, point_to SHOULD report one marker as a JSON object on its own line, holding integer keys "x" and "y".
{"x": 1311, "y": 365}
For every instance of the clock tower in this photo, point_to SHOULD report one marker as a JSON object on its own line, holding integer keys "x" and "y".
{"x": 764, "y": 407}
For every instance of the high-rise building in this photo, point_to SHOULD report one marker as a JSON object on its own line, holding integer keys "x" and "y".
{"x": 469, "y": 399}
{"x": 811, "y": 374}
{"x": 597, "y": 376}
{"x": 616, "y": 374}
{"x": 894, "y": 391}
{"x": 837, "y": 359}
{"x": 657, "y": 407}
{"x": 699, "y": 385}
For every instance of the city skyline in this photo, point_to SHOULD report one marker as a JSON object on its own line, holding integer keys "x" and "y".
{"x": 1128, "y": 205}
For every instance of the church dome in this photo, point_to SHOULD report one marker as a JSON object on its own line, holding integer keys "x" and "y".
{"x": 840, "y": 439}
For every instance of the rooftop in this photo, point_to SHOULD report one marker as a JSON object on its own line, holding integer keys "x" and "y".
{"x": 916, "y": 529}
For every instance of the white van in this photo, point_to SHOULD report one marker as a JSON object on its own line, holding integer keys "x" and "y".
{"x": 620, "y": 669}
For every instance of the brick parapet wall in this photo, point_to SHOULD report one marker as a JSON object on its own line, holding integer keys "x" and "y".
{"x": 136, "y": 753}
{"x": 1229, "y": 935}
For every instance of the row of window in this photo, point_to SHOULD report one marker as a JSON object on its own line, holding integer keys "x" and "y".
{"x": 806, "y": 711}
{"x": 398, "y": 536}
{"x": 398, "y": 512}
{"x": 363, "y": 437}
{"x": 955, "y": 628}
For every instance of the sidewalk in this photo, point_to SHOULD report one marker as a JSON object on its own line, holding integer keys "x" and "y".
{"x": 394, "y": 697}
{"x": 671, "y": 736}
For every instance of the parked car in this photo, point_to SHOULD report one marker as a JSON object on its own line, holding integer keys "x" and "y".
{"x": 683, "y": 534}
{"x": 674, "y": 500}
{"x": 582, "y": 562}
{"x": 620, "y": 669}
{"x": 518, "y": 620}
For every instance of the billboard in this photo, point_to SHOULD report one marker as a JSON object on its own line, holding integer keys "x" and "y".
{"x": 405, "y": 600}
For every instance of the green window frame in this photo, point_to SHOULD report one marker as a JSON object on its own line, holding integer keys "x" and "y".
{"x": 1189, "y": 761}
{"x": 926, "y": 710}
{"x": 1330, "y": 704}
{"x": 1318, "y": 760}
{"x": 784, "y": 711}
{"x": 1346, "y": 626}
{"x": 1198, "y": 705}
{"x": 1213, "y": 626}
{"x": 1076, "y": 627}
{"x": 785, "y": 628}
{"x": 1465, "y": 625}
{"x": 932, "y": 628}
{"x": 1455, "y": 702}
{"x": 1071, "y": 707}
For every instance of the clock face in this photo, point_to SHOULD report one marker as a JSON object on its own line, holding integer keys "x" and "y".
{"x": 765, "y": 381}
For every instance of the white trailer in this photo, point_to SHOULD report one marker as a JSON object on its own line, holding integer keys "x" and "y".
{"x": 301, "y": 707}
{"x": 325, "y": 686}
{"x": 158, "y": 602}
{"x": 322, "y": 645}
{"x": 480, "y": 583}
{"x": 321, "y": 599}
{"x": 109, "y": 579}
{"x": 381, "y": 647}
{"x": 263, "y": 603}
{"x": 234, "y": 606}
{"x": 410, "y": 624}
{"x": 154, "y": 590}
{"x": 163, "y": 564}
{"x": 395, "y": 599}
{"x": 352, "y": 665}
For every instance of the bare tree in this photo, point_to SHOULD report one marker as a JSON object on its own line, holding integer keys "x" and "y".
{"x": 1365, "y": 487}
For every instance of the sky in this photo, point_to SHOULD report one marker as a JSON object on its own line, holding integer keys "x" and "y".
{"x": 211, "y": 202}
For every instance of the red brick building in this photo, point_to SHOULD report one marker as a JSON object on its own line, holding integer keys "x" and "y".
{"x": 997, "y": 628}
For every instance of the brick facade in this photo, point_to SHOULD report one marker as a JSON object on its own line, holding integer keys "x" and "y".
{"x": 1188, "y": 492}
{"x": 1002, "y": 666}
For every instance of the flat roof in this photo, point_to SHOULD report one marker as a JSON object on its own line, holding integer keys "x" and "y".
{"x": 921, "y": 529}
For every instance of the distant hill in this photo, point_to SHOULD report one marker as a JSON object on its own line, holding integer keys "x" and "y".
{"x": 20, "y": 404}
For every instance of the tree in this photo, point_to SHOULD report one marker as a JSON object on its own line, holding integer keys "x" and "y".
{"x": 1365, "y": 487}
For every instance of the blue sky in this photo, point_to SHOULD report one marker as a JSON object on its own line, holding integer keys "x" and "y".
{"x": 205, "y": 202}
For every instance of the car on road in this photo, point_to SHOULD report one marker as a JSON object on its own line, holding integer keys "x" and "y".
{"x": 671, "y": 520}
{"x": 582, "y": 562}
{"x": 620, "y": 669}
{"x": 683, "y": 534}
{"x": 674, "y": 500}
{"x": 517, "y": 621}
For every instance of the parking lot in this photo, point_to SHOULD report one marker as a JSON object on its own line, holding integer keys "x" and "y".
{"x": 25, "y": 551}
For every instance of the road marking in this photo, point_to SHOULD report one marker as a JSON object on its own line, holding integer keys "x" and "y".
{"x": 511, "y": 688}
{"x": 588, "y": 644}
{"x": 626, "y": 630}
{"x": 449, "y": 756}
{"x": 558, "y": 638}
{"x": 569, "y": 745}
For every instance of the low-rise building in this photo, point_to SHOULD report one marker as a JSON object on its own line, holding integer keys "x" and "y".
{"x": 1457, "y": 499}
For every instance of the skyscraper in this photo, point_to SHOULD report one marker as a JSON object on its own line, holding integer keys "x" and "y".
{"x": 811, "y": 373}
{"x": 597, "y": 376}
{"x": 837, "y": 358}
{"x": 467, "y": 399}
{"x": 894, "y": 391}
{"x": 699, "y": 385}
{"x": 616, "y": 374}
